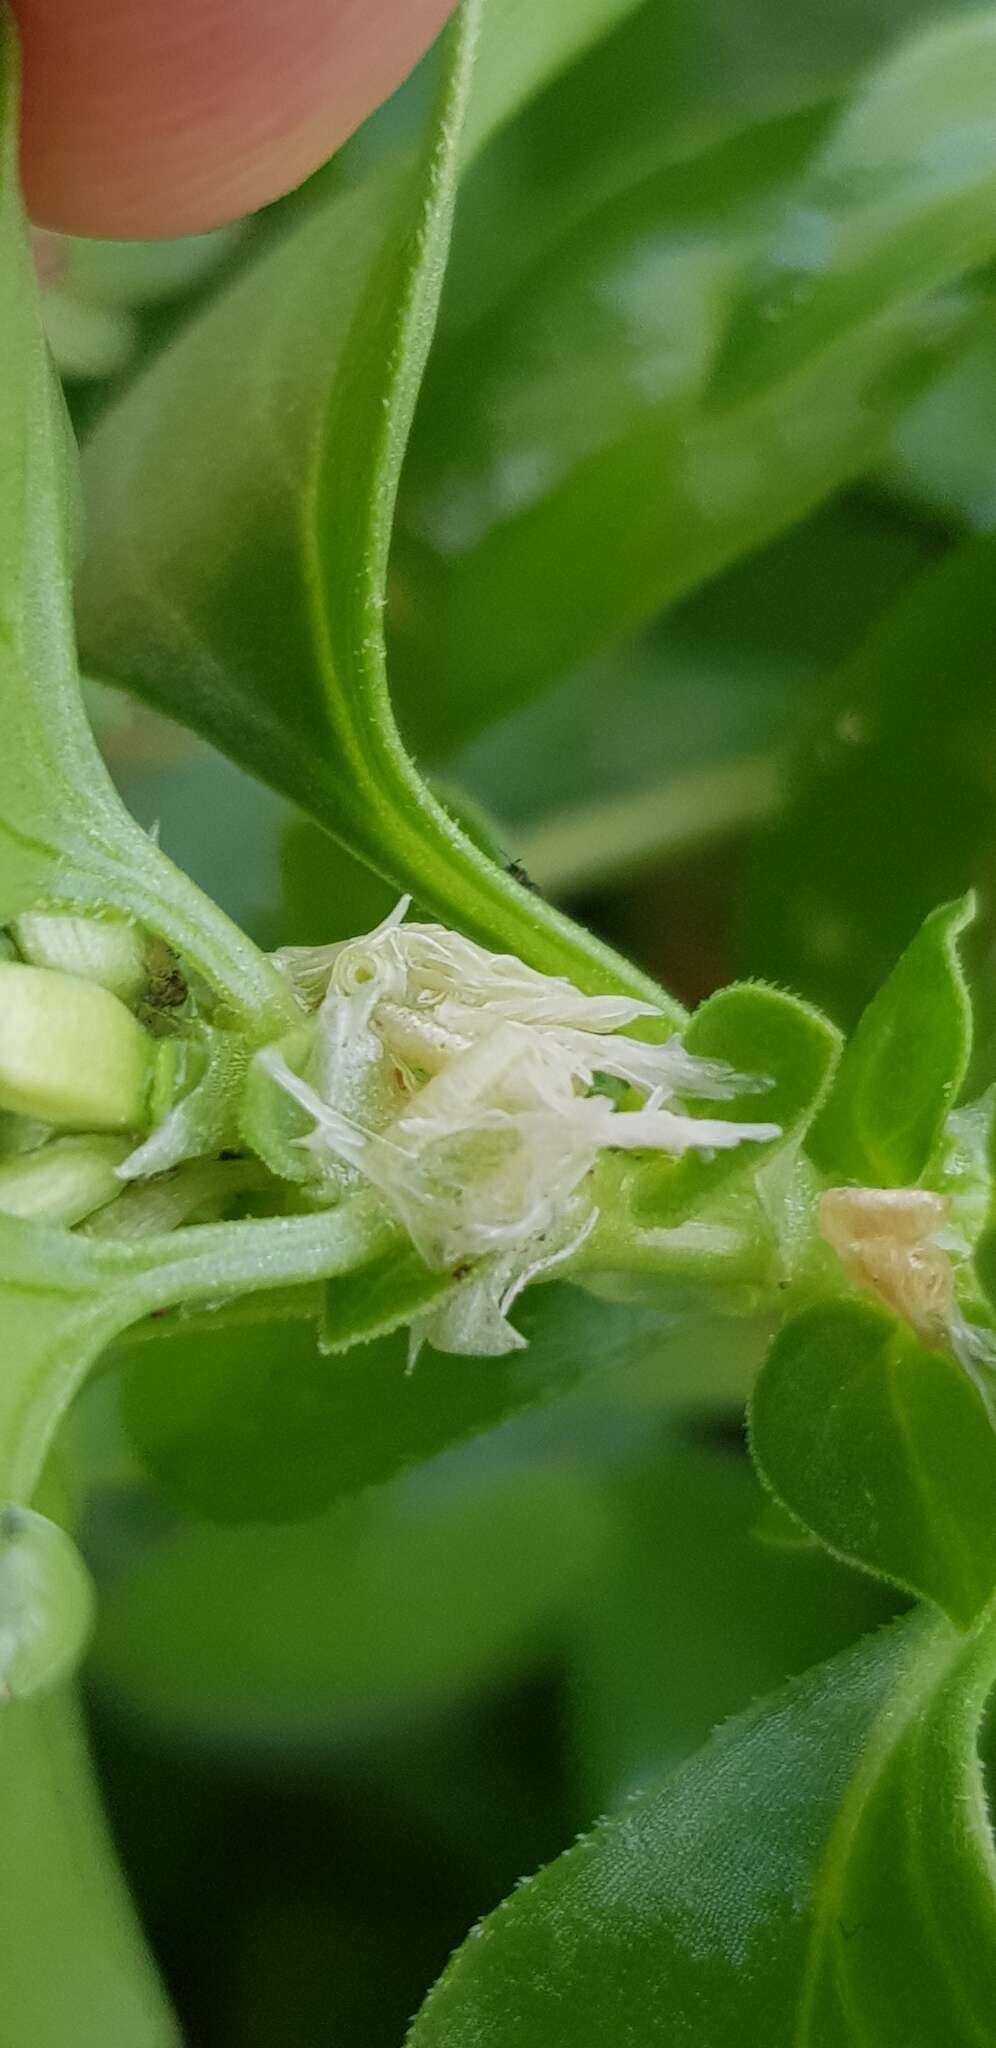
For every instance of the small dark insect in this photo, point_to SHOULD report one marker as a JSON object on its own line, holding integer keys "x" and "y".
{"x": 461, "y": 1272}
{"x": 167, "y": 985}
{"x": 523, "y": 877}
{"x": 167, "y": 990}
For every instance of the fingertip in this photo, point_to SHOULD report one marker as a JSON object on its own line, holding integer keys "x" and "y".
{"x": 169, "y": 117}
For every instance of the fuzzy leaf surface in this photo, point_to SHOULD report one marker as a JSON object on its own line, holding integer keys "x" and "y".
{"x": 905, "y": 1064}
{"x": 883, "y": 1449}
{"x": 823, "y": 1865}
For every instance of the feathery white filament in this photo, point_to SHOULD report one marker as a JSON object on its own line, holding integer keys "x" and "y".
{"x": 458, "y": 1083}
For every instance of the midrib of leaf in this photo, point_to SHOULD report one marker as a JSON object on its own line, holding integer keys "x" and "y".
{"x": 928, "y": 1675}
{"x": 827, "y": 1891}
{"x": 922, "y": 1852}
{"x": 915, "y": 1466}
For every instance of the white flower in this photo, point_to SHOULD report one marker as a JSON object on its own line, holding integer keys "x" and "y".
{"x": 463, "y": 1086}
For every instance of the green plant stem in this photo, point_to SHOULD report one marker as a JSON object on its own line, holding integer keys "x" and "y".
{"x": 75, "y": 1968}
{"x": 66, "y": 1298}
{"x": 732, "y": 1269}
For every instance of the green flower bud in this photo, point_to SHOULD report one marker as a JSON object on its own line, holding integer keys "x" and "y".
{"x": 70, "y": 1052}
{"x": 64, "y": 1180}
{"x": 113, "y": 953}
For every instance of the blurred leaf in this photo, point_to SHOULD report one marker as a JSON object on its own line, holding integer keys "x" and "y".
{"x": 688, "y": 1619}
{"x": 326, "y": 895}
{"x": 943, "y": 453}
{"x": 891, "y": 803}
{"x": 897, "y": 203}
{"x": 883, "y": 1449}
{"x": 903, "y": 1070}
{"x": 386, "y": 1610}
{"x": 259, "y": 1424}
{"x": 824, "y": 1863}
{"x": 240, "y": 527}
{"x": 86, "y": 341}
{"x": 582, "y": 404}
{"x": 688, "y": 77}
{"x": 523, "y": 45}
{"x": 677, "y": 738}
{"x": 109, "y": 273}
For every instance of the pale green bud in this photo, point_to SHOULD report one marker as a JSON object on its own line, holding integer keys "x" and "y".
{"x": 112, "y": 953}
{"x": 46, "y": 1603}
{"x": 70, "y": 1052}
{"x": 64, "y": 1180}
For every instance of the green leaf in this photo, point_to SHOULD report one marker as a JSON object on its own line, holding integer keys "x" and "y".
{"x": 240, "y": 526}
{"x": 259, "y": 1424}
{"x": 522, "y": 47}
{"x": 775, "y": 1529}
{"x": 572, "y": 469}
{"x": 688, "y": 1619}
{"x": 386, "y": 1610}
{"x": 903, "y": 1069}
{"x": 768, "y": 1036}
{"x": 675, "y": 740}
{"x": 821, "y": 1872}
{"x": 689, "y": 76}
{"x": 883, "y": 1449}
{"x": 896, "y": 203}
{"x": 942, "y": 453}
{"x": 868, "y": 845}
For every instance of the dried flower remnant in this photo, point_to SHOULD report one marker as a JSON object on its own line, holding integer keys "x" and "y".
{"x": 885, "y": 1239}
{"x": 461, "y": 1084}
{"x": 896, "y": 1243}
